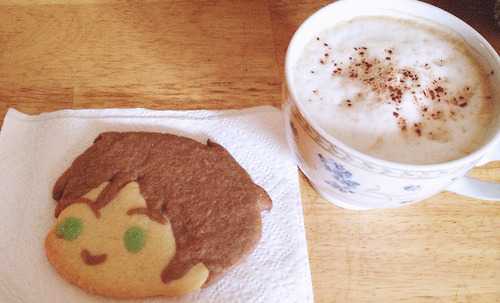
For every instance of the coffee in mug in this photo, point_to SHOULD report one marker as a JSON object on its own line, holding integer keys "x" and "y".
{"x": 397, "y": 89}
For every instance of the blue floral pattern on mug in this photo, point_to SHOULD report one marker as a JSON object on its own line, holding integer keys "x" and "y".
{"x": 412, "y": 187}
{"x": 342, "y": 177}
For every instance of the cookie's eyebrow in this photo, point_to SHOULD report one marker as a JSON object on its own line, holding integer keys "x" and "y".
{"x": 151, "y": 213}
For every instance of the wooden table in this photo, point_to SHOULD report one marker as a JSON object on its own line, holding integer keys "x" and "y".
{"x": 58, "y": 54}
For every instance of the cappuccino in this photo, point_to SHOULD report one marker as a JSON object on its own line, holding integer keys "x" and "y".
{"x": 402, "y": 90}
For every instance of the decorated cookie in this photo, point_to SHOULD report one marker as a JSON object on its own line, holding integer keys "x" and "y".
{"x": 147, "y": 214}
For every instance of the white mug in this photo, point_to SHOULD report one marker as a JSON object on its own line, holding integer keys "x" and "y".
{"x": 354, "y": 180}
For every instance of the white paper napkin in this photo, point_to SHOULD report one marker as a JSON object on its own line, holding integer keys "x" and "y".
{"x": 36, "y": 150}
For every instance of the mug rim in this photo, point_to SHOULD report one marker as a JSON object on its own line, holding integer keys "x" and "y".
{"x": 472, "y": 157}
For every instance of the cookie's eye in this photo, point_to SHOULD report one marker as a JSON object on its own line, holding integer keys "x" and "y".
{"x": 135, "y": 239}
{"x": 69, "y": 229}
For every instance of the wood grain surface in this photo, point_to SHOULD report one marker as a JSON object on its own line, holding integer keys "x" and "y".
{"x": 221, "y": 54}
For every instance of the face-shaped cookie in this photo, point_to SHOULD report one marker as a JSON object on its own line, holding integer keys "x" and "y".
{"x": 146, "y": 214}
{"x": 115, "y": 251}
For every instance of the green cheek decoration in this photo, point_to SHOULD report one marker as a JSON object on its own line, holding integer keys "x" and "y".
{"x": 69, "y": 229}
{"x": 134, "y": 238}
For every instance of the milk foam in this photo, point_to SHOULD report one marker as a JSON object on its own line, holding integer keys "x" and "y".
{"x": 396, "y": 89}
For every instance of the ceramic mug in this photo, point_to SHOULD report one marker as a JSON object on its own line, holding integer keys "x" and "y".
{"x": 354, "y": 180}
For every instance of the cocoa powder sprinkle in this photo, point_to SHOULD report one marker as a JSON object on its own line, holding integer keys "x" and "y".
{"x": 392, "y": 83}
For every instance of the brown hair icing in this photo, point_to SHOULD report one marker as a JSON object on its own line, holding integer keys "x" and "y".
{"x": 210, "y": 200}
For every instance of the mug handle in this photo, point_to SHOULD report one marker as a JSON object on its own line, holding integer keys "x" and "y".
{"x": 474, "y": 188}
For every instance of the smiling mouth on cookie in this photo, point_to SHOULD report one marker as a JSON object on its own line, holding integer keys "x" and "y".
{"x": 91, "y": 259}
